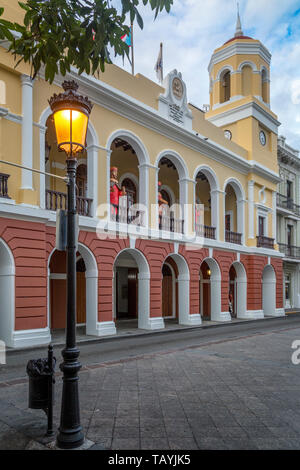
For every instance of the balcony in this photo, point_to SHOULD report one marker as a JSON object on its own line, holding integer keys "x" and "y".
{"x": 287, "y": 203}
{"x": 171, "y": 224}
{"x": 206, "y": 231}
{"x": 57, "y": 200}
{"x": 265, "y": 242}
{"x": 125, "y": 215}
{"x": 290, "y": 251}
{"x": 3, "y": 185}
{"x": 233, "y": 237}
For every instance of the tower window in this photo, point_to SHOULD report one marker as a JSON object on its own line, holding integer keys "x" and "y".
{"x": 264, "y": 85}
{"x": 225, "y": 87}
{"x": 247, "y": 80}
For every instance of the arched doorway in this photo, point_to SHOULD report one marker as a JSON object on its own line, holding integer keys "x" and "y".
{"x": 132, "y": 290}
{"x": 170, "y": 289}
{"x": 86, "y": 295}
{"x": 178, "y": 295}
{"x": 210, "y": 291}
{"x": 237, "y": 298}
{"x": 269, "y": 291}
{"x": 234, "y": 212}
{"x": 7, "y": 294}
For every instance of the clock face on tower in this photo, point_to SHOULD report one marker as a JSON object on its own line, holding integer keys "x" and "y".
{"x": 262, "y": 138}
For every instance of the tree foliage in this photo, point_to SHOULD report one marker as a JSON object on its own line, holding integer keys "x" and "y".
{"x": 58, "y": 34}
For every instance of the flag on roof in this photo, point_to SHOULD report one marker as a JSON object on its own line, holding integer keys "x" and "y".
{"x": 127, "y": 38}
{"x": 159, "y": 65}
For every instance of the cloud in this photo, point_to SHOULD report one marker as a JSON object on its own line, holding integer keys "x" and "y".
{"x": 194, "y": 28}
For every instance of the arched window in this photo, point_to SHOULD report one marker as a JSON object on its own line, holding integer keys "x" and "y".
{"x": 247, "y": 80}
{"x": 81, "y": 180}
{"x": 130, "y": 191}
{"x": 225, "y": 87}
{"x": 2, "y": 92}
{"x": 264, "y": 85}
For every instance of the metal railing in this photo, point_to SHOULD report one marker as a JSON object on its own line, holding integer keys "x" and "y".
{"x": 265, "y": 242}
{"x": 171, "y": 224}
{"x": 205, "y": 231}
{"x": 126, "y": 215}
{"x": 289, "y": 250}
{"x": 57, "y": 200}
{"x": 287, "y": 203}
{"x": 3, "y": 185}
{"x": 233, "y": 237}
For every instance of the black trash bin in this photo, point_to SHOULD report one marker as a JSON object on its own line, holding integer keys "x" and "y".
{"x": 41, "y": 381}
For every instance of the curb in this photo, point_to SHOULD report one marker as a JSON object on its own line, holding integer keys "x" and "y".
{"x": 149, "y": 333}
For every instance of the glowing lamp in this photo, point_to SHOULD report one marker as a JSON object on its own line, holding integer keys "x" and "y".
{"x": 71, "y": 113}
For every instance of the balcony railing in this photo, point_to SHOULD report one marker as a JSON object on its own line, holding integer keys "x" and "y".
{"x": 290, "y": 251}
{"x": 126, "y": 215}
{"x": 56, "y": 200}
{"x": 3, "y": 185}
{"x": 233, "y": 237}
{"x": 287, "y": 203}
{"x": 265, "y": 242}
{"x": 171, "y": 224}
{"x": 206, "y": 231}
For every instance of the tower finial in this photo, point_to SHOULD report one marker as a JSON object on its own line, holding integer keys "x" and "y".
{"x": 238, "y": 29}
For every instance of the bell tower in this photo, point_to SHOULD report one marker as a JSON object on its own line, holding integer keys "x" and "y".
{"x": 239, "y": 75}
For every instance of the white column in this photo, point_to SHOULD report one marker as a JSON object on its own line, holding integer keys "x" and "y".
{"x": 251, "y": 209}
{"x": 27, "y": 134}
{"x": 92, "y": 176}
{"x": 215, "y": 211}
{"x": 274, "y": 216}
{"x": 43, "y": 130}
{"x": 241, "y": 218}
{"x": 144, "y": 188}
{"x": 183, "y": 199}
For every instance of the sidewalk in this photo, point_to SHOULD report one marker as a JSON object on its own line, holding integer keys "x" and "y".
{"x": 236, "y": 393}
{"x": 129, "y": 328}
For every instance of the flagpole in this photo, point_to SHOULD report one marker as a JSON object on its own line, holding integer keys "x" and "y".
{"x": 162, "y": 62}
{"x": 132, "y": 51}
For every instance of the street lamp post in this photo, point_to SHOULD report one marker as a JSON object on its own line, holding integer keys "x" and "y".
{"x": 71, "y": 114}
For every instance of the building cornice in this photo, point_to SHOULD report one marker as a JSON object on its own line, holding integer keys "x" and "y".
{"x": 251, "y": 109}
{"x": 240, "y": 48}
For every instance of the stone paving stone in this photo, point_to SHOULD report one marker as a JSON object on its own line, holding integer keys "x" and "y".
{"x": 154, "y": 443}
{"x": 182, "y": 444}
{"x": 125, "y": 444}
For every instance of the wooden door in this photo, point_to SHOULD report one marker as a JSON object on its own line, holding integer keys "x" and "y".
{"x": 58, "y": 303}
{"x": 132, "y": 292}
{"x": 167, "y": 292}
{"x": 81, "y": 298}
{"x": 206, "y": 300}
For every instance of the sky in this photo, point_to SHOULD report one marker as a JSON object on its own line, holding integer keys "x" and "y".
{"x": 194, "y": 28}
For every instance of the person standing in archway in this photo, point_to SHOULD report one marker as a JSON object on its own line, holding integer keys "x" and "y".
{"x": 115, "y": 193}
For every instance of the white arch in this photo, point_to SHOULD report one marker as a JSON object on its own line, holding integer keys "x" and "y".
{"x": 269, "y": 290}
{"x": 241, "y": 289}
{"x": 145, "y": 322}
{"x": 245, "y": 63}
{"x": 223, "y": 70}
{"x": 91, "y": 276}
{"x": 143, "y": 159}
{"x": 214, "y": 194}
{"x": 263, "y": 68}
{"x": 92, "y": 160}
{"x": 177, "y": 160}
{"x": 183, "y": 174}
{"x": 215, "y": 291}
{"x": 240, "y": 201}
{"x": 7, "y": 294}
{"x": 183, "y": 280}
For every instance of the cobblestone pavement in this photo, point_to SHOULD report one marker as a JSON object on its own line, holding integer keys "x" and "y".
{"x": 239, "y": 393}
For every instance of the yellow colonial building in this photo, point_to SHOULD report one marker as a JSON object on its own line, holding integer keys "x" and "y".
{"x": 208, "y": 252}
